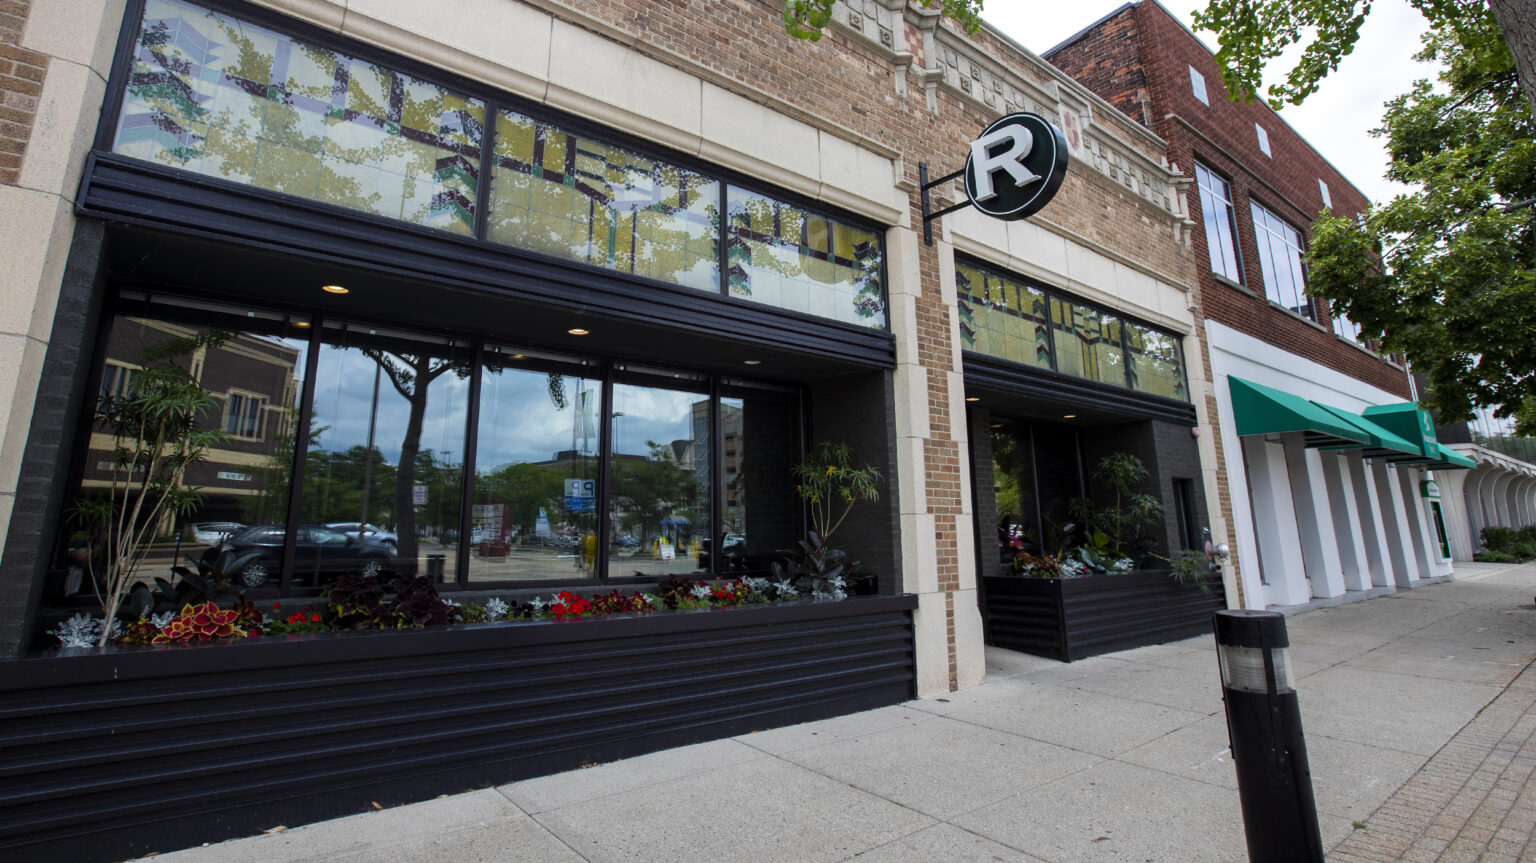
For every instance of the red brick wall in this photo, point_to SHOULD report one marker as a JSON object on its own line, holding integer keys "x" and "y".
{"x": 1222, "y": 137}
{"x": 1108, "y": 61}
{"x": 21, "y": 83}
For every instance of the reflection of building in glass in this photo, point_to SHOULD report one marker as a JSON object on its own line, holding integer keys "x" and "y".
{"x": 252, "y": 380}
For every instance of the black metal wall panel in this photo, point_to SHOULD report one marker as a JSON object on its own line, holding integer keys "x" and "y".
{"x": 1122, "y": 613}
{"x": 111, "y": 756}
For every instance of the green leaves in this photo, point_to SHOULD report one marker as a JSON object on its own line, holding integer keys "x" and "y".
{"x": 1447, "y": 273}
{"x": 828, "y": 477}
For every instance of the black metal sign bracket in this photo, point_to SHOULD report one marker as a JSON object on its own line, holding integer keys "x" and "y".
{"x": 928, "y": 214}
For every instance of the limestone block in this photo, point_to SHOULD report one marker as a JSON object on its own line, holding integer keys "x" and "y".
{"x": 81, "y": 32}
{"x": 63, "y": 130}
{"x": 38, "y": 228}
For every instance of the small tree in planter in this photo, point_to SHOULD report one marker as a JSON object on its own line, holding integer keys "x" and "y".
{"x": 157, "y": 433}
{"x": 830, "y": 486}
{"x": 1115, "y": 533}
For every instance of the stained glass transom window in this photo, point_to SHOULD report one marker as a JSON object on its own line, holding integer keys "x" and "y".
{"x": 801, "y": 261}
{"x": 1003, "y": 318}
{"x": 578, "y": 198}
{"x": 215, "y": 95}
{"x": 1012, "y": 320}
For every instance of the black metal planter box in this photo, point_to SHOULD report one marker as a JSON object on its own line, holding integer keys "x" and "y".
{"x": 1074, "y": 618}
{"x": 110, "y": 756}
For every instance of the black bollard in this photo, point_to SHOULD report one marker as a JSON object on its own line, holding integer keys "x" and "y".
{"x": 1264, "y": 729}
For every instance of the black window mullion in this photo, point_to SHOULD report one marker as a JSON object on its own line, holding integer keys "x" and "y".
{"x": 487, "y": 165}
{"x": 301, "y": 451}
{"x": 600, "y": 508}
{"x": 1125, "y": 354}
{"x": 467, "y": 470}
{"x": 723, "y": 239}
{"x": 717, "y": 476}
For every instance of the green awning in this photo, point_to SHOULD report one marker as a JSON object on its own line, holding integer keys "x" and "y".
{"x": 1410, "y": 422}
{"x": 1382, "y": 442}
{"x": 1260, "y": 410}
{"x": 1450, "y": 460}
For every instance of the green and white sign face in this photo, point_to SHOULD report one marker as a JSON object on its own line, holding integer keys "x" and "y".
{"x": 1016, "y": 166}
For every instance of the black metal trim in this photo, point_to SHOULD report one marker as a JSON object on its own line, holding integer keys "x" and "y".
{"x": 989, "y": 372}
{"x": 118, "y": 188}
{"x": 301, "y": 451}
{"x": 468, "y": 472}
{"x": 928, "y": 214}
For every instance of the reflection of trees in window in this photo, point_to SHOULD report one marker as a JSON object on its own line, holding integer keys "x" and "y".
{"x": 649, "y": 491}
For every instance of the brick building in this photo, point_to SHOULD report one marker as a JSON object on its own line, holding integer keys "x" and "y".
{"x": 1317, "y": 503}
{"x": 466, "y": 236}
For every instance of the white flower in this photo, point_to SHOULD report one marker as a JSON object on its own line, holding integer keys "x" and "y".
{"x": 453, "y": 602}
{"x": 1073, "y": 568}
{"x": 701, "y": 591}
{"x": 163, "y": 619}
{"x": 758, "y": 584}
{"x": 1124, "y": 564}
{"x": 79, "y": 630}
{"x": 539, "y": 605}
{"x": 786, "y": 588}
{"x": 495, "y": 609}
{"x": 654, "y": 600}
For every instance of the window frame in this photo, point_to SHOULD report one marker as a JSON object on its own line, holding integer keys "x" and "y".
{"x": 1265, "y": 237}
{"x": 259, "y": 419}
{"x": 1205, "y": 192}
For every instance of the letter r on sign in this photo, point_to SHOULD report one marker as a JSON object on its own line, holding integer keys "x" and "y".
{"x": 983, "y": 164}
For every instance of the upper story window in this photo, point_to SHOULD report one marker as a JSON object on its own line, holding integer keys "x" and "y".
{"x": 116, "y": 379}
{"x": 1010, "y": 319}
{"x": 1263, "y": 139}
{"x": 1197, "y": 85}
{"x": 1348, "y": 330}
{"x": 1220, "y": 223}
{"x": 1322, "y": 189}
{"x": 218, "y": 96}
{"x": 1280, "y": 262}
{"x": 243, "y": 413}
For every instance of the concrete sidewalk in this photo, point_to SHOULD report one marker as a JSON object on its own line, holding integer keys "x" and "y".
{"x": 1117, "y": 758}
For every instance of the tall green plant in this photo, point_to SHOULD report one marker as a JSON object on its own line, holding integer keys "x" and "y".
{"x": 157, "y": 433}
{"x": 831, "y": 486}
{"x": 1124, "y": 521}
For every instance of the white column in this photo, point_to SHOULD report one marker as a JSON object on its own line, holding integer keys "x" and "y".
{"x": 1453, "y": 504}
{"x": 1500, "y": 498}
{"x": 1378, "y": 561}
{"x": 1274, "y": 516}
{"x": 1472, "y": 499}
{"x": 1314, "y": 517}
{"x": 1395, "y": 524}
{"x": 1346, "y": 522}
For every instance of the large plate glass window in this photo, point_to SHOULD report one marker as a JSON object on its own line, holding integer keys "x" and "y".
{"x": 1280, "y": 259}
{"x": 1002, "y": 317}
{"x": 760, "y": 512}
{"x": 536, "y": 464}
{"x": 386, "y": 444}
{"x": 215, "y": 95}
{"x": 1087, "y": 342}
{"x": 660, "y": 474}
{"x": 1220, "y": 223}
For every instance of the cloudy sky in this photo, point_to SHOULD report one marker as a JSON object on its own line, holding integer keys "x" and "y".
{"x": 1335, "y": 120}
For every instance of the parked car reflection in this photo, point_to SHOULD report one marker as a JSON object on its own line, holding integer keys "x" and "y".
{"x": 320, "y": 554}
{"x": 353, "y": 528}
{"x": 213, "y": 532}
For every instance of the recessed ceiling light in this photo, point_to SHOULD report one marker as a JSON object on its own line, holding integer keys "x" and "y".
{"x": 577, "y": 331}
{"x": 752, "y": 362}
{"x": 303, "y": 325}
{"x": 1069, "y": 416}
{"x": 997, "y": 425}
{"x": 518, "y": 357}
{"x": 334, "y": 289}
{"x": 973, "y": 398}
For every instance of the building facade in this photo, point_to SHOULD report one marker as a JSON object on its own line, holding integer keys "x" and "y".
{"x": 1317, "y": 505}
{"x": 510, "y": 278}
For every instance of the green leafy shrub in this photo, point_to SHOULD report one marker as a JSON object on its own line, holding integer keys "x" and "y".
{"x": 1524, "y": 550}
{"x": 1493, "y": 557}
{"x": 1500, "y": 539}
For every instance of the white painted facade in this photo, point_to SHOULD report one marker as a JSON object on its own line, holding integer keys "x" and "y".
{"x": 1311, "y": 523}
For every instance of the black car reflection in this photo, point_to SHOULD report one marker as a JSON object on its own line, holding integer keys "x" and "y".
{"x": 320, "y": 554}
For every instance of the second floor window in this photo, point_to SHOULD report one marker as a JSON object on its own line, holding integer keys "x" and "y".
{"x": 243, "y": 416}
{"x": 1280, "y": 260}
{"x": 1220, "y": 226}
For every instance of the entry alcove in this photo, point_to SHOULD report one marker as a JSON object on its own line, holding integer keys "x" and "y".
{"x": 1036, "y": 436}
{"x": 126, "y": 752}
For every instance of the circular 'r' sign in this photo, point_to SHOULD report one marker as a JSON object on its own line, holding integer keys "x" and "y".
{"x": 1016, "y": 166}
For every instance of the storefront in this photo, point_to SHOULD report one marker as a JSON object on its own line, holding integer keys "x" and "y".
{"x": 1335, "y": 474}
